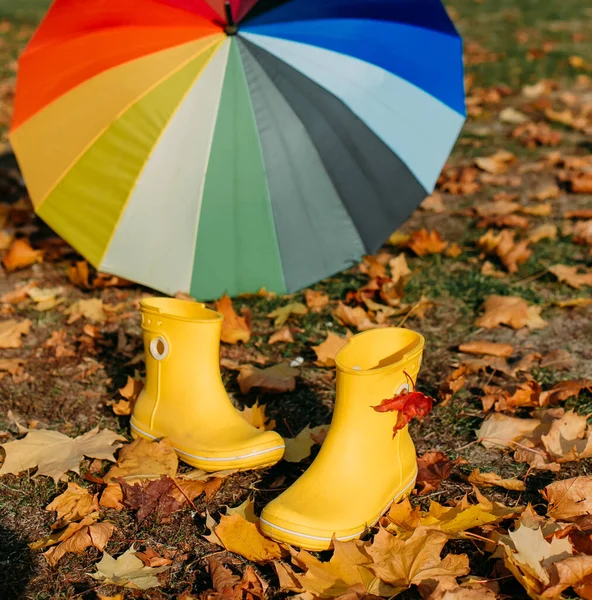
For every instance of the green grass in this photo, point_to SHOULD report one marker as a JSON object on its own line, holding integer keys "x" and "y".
{"x": 23, "y": 12}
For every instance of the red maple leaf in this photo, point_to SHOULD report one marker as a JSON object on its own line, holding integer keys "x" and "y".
{"x": 408, "y": 404}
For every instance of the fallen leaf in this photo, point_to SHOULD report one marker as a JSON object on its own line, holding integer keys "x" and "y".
{"x": 545, "y": 190}
{"x": 143, "y": 459}
{"x": 423, "y": 242}
{"x": 327, "y": 350}
{"x": 127, "y": 571}
{"x": 408, "y": 404}
{"x": 538, "y": 210}
{"x": 511, "y": 253}
{"x": 274, "y": 380}
{"x": 374, "y": 267}
{"x": 512, "y": 311}
{"x": 489, "y": 348}
{"x": 235, "y": 329}
{"x": 283, "y": 335}
{"x": 533, "y": 135}
{"x": 497, "y": 163}
{"x": 21, "y": 255}
{"x": 5, "y": 239}
{"x": 492, "y": 479}
{"x": 185, "y": 491}
{"x": 571, "y": 276}
{"x": 112, "y": 497}
{"x": 54, "y": 453}
{"x": 433, "y": 469}
{"x": 153, "y": 496}
{"x": 282, "y": 314}
{"x": 512, "y": 116}
{"x": 316, "y": 301}
{"x": 541, "y": 232}
{"x": 11, "y": 332}
{"x": 433, "y": 203}
{"x": 299, "y": 448}
{"x": 151, "y": 558}
{"x": 497, "y": 208}
{"x": 558, "y": 359}
{"x": 243, "y": 537}
{"x": 353, "y": 317}
{"x": 226, "y": 585}
{"x": 584, "y": 213}
{"x": 499, "y": 430}
{"x": 13, "y": 366}
{"x": 453, "y": 251}
{"x": 563, "y": 390}
{"x": 73, "y": 505}
{"x": 91, "y": 309}
{"x": 569, "y": 499}
{"x": 573, "y": 302}
{"x": 574, "y": 572}
{"x": 402, "y": 563}
{"x": 400, "y": 270}
{"x": 255, "y": 415}
{"x": 523, "y": 395}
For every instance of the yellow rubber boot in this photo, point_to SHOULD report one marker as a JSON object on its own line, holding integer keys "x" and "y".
{"x": 361, "y": 469}
{"x": 184, "y": 398}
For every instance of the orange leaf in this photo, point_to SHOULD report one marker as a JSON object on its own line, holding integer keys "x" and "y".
{"x": 11, "y": 332}
{"x": 423, "y": 242}
{"x": 316, "y": 301}
{"x": 490, "y": 348}
{"x": 327, "y": 350}
{"x": 276, "y": 379}
{"x": 283, "y": 335}
{"x": 571, "y": 276}
{"x": 512, "y": 311}
{"x": 409, "y": 405}
{"x": 353, "y": 317}
{"x": 21, "y": 255}
{"x": 235, "y": 329}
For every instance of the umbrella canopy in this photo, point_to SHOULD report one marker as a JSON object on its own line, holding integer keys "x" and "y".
{"x": 172, "y": 152}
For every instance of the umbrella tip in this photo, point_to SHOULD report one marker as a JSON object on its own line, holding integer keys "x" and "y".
{"x": 231, "y": 27}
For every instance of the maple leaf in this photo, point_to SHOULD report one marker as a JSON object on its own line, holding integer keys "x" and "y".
{"x": 151, "y": 558}
{"x": 353, "y": 317}
{"x": 21, "y": 255}
{"x": 274, "y": 380}
{"x": 541, "y": 232}
{"x": 151, "y": 496}
{"x": 433, "y": 469}
{"x": 402, "y": 563}
{"x": 511, "y": 253}
{"x": 524, "y": 394}
{"x": 54, "y": 453}
{"x": 74, "y": 504}
{"x": 575, "y": 572}
{"x": 284, "y": 335}
{"x": 512, "y": 311}
{"x": 569, "y": 499}
{"x": 255, "y": 415}
{"x": 582, "y": 233}
{"x": 112, "y": 497}
{"x": 327, "y": 350}
{"x": 433, "y": 203}
{"x": 563, "y": 435}
{"x": 571, "y": 276}
{"x": 400, "y": 270}
{"x": 490, "y": 348}
{"x": 143, "y": 459}
{"x": 316, "y": 301}
{"x": 409, "y": 405}
{"x": 185, "y": 491}
{"x": 235, "y": 329}
{"x": 563, "y": 390}
{"x": 226, "y": 585}
{"x": 11, "y": 332}
{"x": 127, "y": 571}
{"x": 499, "y": 430}
{"x": 91, "y": 309}
{"x": 282, "y": 314}
{"x": 299, "y": 448}
{"x": 492, "y": 479}
{"x": 130, "y": 392}
{"x": 374, "y": 267}
{"x": 423, "y": 242}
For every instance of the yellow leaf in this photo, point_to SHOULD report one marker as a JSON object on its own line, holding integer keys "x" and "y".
{"x": 283, "y": 335}
{"x": 282, "y": 314}
{"x": 571, "y": 276}
{"x": 235, "y": 329}
{"x": 91, "y": 309}
{"x": 243, "y": 537}
{"x": 493, "y": 479}
{"x": 353, "y": 317}
{"x": 11, "y": 332}
{"x": 112, "y": 497}
{"x": 255, "y": 415}
{"x": 144, "y": 460}
{"x": 316, "y": 301}
{"x": 74, "y": 504}
{"x": 497, "y": 163}
{"x": 499, "y": 430}
{"x": 299, "y": 448}
{"x": 541, "y": 232}
{"x": 399, "y": 268}
{"x": 512, "y": 311}
{"x": 327, "y": 350}
{"x": 423, "y": 242}
{"x": 21, "y": 255}
{"x": 96, "y": 535}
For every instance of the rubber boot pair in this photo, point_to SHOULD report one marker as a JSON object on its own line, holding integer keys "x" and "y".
{"x": 359, "y": 471}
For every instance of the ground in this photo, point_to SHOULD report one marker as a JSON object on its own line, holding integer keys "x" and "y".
{"x": 509, "y": 44}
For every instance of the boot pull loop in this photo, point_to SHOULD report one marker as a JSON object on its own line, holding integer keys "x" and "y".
{"x": 159, "y": 348}
{"x": 403, "y": 388}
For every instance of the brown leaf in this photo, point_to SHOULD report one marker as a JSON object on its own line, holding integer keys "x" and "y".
{"x": 545, "y": 190}
{"x": 584, "y": 213}
{"x": 581, "y": 184}
{"x": 235, "y": 329}
{"x": 327, "y": 350}
{"x": 144, "y": 460}
{"x": 582, "y": 233}
{"x": 21, "y": 255}
{"x": 565, "y": 389}
{"x": 274, "y": 380}
{"x": 90, "y": 308}
{"x": 186, "y": 491}
{"x": 512, "y": 311}
{"x": 284, "y": 335}
{"x": 524, "y": 394}
{"x": 243, "y": 537}
{"x": 492, "y": 479}
{"x": 151, "y": 496}
{"x": 255, "y": 415}
{"x": 423, "y": 242}
{"x": 569, "y": 499}
{"x": 282, "y": 314}
{"x": 150, "y": 558}
{"x": 499, "y": 430}
{"x": 490, "y": 348}
{"x": 433, "y": 203}
{"x": 433, "y": 469}
{"x": 499, "y": 208}
{"x": 571, "y": 276}
{"x": 538, "y": 210}
{"x": 574, "y": 572}
{"x": 558, "y": 359}
{"x": 74, "y": 504}
{"x": 11, "y": 332}
{"x": 353, "y": 317}
{"x": 511, "y": 253}
{"x": 14, "y": 366}
{"x": 548, "y": 230}
{"x": 316, "y": 301}
{"x": 373, "y": 267}
{"x": 409, "y": 562}
{"x": 497, "y": 163}
{"x": 453, "y": 251}
{"x": 112, "y": 497}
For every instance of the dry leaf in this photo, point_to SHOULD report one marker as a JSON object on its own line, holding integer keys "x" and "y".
{"x": 538, "y": 210}
{"x": 512, "y": 311}
{"x": 498, "y": 430}
{"x": 569, "y": 499}
{"x": 96, "y": 535}
{"x": 143, "y": 459}
{"x": 316, "y": 301}
{"x": 433, "y": 203}
{"x": 453, "y": 251}
{"x": 563, "y": 390}
{"x": 91, "y": 309}
{"x": 21, "y": 255}
{"x": 274, "y": 380}
{"x": 433, "y": 469}
{"x": 492, "y": 479}
{"x": 243, "y": 537}
{"x": 299, "y": 448}
{"x": 571, "y": 276}
{"x": 54, "y": 453}
{"x": 255, "y": 415}
{"x": 112, "y": 497}
{"x": 353, "y": 317}
{"x": 11, "y": 332}
{"x": 512, "y": 116}
{"x": 423, "y": 242}
{"x": 186, "y": 491}
{"x": 489, "y": 348}
{"x": 497, "y": 208}
{"x": 235, "y": 329}
{"x": 327, "y": 350}
{"x": 374, "y": 266}
{"x": 226, "y": 585}
{"x": 14, "y": 366}
{"x": 545, "y": 190}
{"x": 282, "y": 314}
{"x": 151, "y": 496}
{"x": 575, "y": 572}
{"x": 127, "y": 571}
{"x": 497, "y": 163}
{"x": 74, "y": 504}
{"x": 511, "y": 253}
{"x": 548, "y": 230}
{"x": 283, "y": 335}
{"x": 151, "y": 558}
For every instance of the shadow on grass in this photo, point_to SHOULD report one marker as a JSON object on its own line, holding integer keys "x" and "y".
{"x": 16, "y": 564}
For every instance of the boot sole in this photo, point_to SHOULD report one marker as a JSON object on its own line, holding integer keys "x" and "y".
{"x": 251, "y": 460}
{"x": 319, "y": 542}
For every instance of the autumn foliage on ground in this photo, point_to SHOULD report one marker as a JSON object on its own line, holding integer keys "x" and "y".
{"x": 494, "y": 269}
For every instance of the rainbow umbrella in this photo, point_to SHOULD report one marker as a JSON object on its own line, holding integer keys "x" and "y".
{"x": 199, "y": 147}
